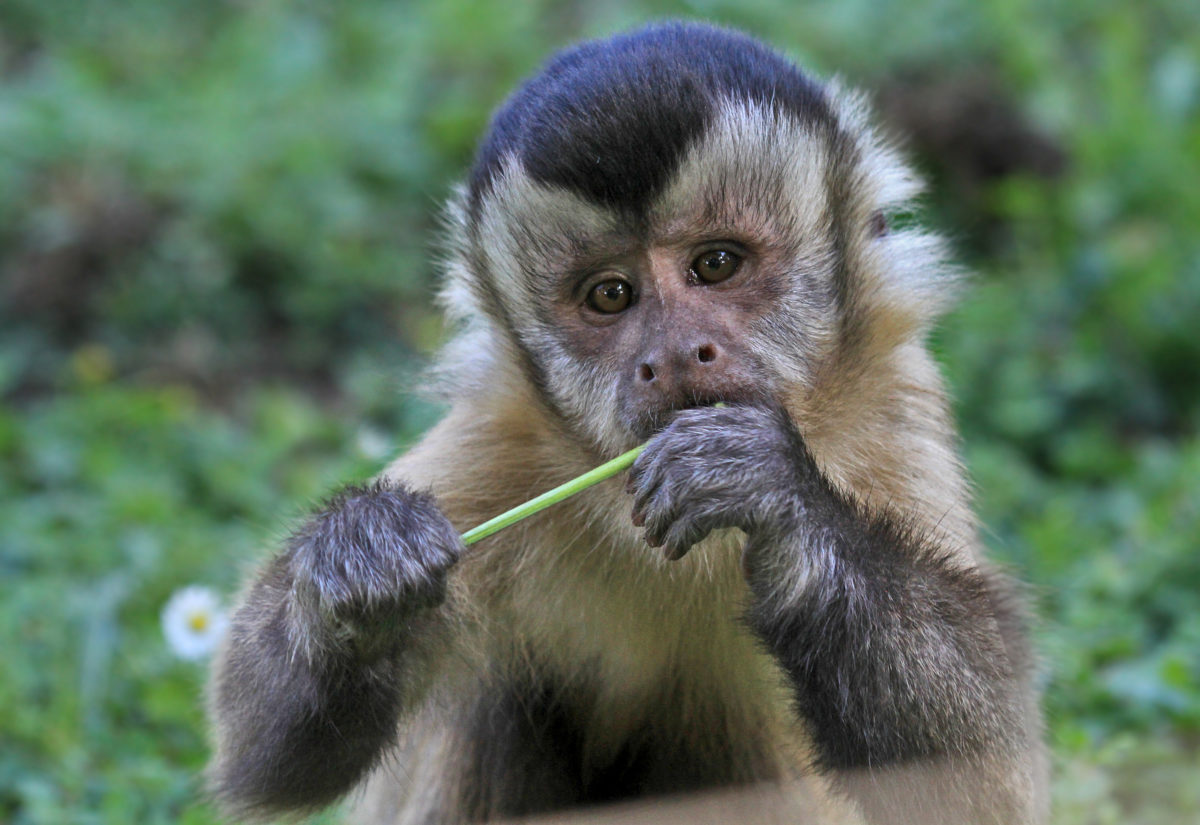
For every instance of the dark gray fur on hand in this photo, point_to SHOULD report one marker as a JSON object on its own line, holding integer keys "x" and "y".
{"x": 318, "y": 666}
{"x": 365, "y": 564}
{"x": 710, "y": 468}
{"x": 866, "y": 615}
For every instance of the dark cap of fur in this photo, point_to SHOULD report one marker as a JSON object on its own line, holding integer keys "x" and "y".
{"x": 612, "y": 119}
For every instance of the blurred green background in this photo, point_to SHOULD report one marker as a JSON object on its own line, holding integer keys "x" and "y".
{"x": 216, "y": 227}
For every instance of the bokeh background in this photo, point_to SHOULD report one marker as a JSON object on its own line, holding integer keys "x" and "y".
{"x": 216, "y": 227}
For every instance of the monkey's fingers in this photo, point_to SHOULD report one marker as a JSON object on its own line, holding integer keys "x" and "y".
{"x": 675, "y": 513}
{"x": 682, "y": 536}
{"x": 644, "y": 482}
{"x": 654, "y": 495}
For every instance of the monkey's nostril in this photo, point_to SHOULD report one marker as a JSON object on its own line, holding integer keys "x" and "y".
{"x": 646, "y": 372}
{"x": 707, "y": 353}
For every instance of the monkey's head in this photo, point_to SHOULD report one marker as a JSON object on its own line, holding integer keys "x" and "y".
{"x": 678, "y": 216}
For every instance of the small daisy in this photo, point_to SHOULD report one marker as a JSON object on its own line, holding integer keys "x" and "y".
{"x": 373, "y": 444}
{"x": 193, "y": 622}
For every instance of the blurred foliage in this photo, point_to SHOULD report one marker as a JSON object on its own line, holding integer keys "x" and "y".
{"x": 216, "y": 227}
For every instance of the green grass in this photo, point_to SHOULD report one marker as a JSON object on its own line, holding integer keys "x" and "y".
{"x": 112, "y": 499}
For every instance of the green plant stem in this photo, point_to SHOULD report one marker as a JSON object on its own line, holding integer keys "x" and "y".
{"x": 534, "y": 505}
{"x": 606, "y": 470}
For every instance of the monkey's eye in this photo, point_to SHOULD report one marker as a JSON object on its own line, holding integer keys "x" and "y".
{"x": 610, "y": 296}
{"x": 715, "y": 265}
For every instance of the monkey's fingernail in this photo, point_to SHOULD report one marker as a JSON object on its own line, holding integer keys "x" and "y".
{"x": 639, "y": 519}
{"x": 674, "y": 553}
{"x": 654, "y": 541}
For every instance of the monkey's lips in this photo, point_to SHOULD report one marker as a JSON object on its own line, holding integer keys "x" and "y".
{"x": 648, "y": 422}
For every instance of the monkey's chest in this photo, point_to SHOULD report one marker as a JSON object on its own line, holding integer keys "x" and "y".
{"x": 654, "y": 650}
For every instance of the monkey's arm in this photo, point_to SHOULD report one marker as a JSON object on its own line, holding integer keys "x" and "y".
{"x": 908, "y": 665}
{"x": 909, "y": 668}
{"x": 326, "y": 650}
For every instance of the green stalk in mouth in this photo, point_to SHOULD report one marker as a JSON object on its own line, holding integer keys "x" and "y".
{"x": 606, "y": 470}
{"x": 563, "y": 491}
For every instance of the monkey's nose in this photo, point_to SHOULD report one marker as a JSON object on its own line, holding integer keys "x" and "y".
{"x": 679, "y": 365}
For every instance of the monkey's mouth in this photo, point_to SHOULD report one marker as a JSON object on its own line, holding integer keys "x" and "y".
{"x": 645, "y": 423}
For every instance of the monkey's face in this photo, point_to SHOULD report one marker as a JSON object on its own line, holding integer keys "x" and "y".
{"x": 643, "y": 233}
{"x": 667, "y": 321}
{"x": 721, "y": 289}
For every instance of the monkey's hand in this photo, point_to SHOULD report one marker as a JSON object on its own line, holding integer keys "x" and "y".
{"x": 363, "y": 566}
{"x": 719, "y": 467}
{"x": 909, "y": 667}
{"x": 326, "y": 651}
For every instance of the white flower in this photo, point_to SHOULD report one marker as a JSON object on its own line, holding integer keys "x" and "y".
{"x": 373, "y": 444}
{"x": 193, "y": 622}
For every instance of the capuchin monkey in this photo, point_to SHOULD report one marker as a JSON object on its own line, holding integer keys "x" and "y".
{"x": 672, "y": 236}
